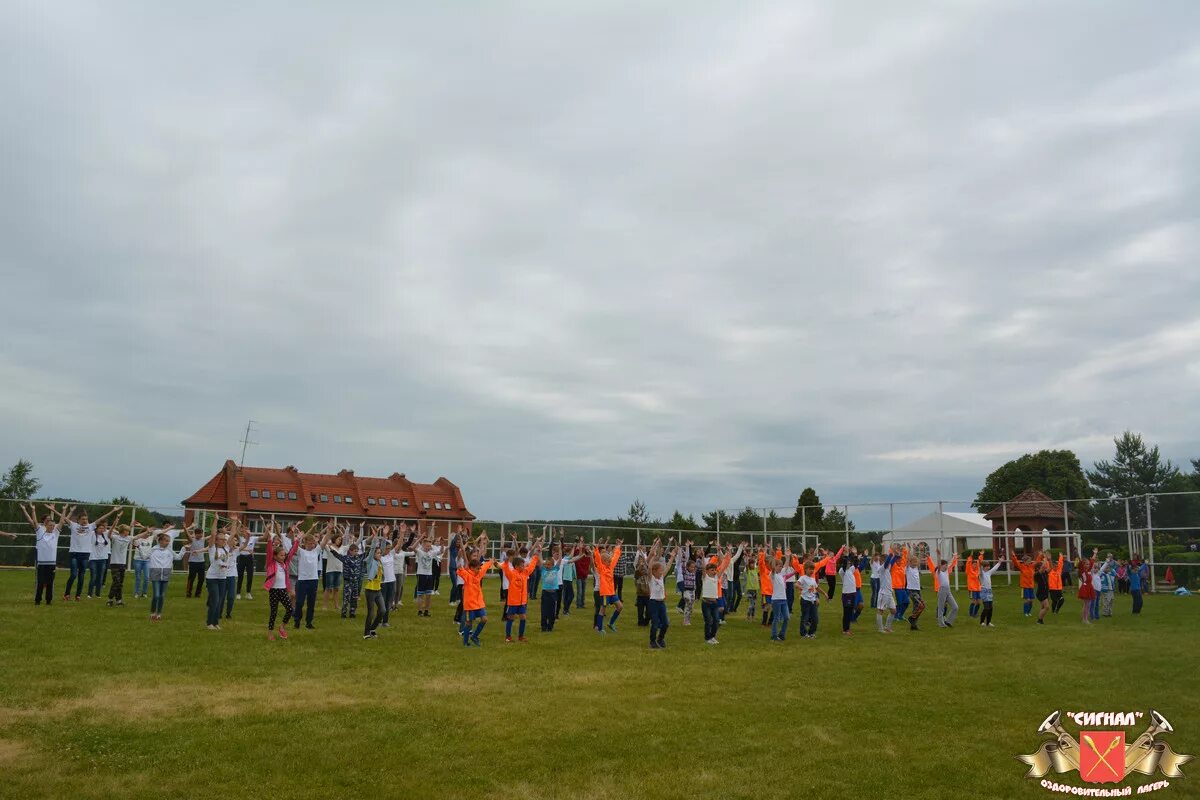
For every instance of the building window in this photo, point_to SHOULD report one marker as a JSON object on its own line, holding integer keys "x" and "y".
{"x": 337, "y": 499}
{"x": 404, "y": 503}
{"x": 438, "y": 506}
{"x": 279, "y": 494}
{"x": 291, "y": 495}
{"x": 425, "y": 505}
{"x": 370, "y": 501}
{"x": 324, "y": 498}
{"x": 347, "y": 500}
{"x": 395, "y": 502}
{"x": 254, "y": 492}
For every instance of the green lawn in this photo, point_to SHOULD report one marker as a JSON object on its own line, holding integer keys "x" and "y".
{"x": 99, "y": 702}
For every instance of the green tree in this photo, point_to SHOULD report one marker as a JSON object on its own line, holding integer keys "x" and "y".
{"x": 747, "y": 520}
{"x": 810, "y": 513}
{"x": 1134, "y": 471}
{"x": 637, "y": 513}
{"x": 681, "y": 523}
{"x": 18, "y": 483}
{"x": 710, "y": 521}
{"x": 1058, "y": 473}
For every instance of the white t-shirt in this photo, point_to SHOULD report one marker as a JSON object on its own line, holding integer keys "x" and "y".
{"x": 101, "y": 547}
{"x": 280, "y": 579}
{"x": 333, "y": 564}
{"x": 141, "y": 549}
{"x": 82, "y": 537}
{"x": 217, "y": 556}
{"x": 849, "y": 585}
{"x": 877, "y": 570}
{"x": 119, "y": 545}
{"x": 425, "y": 559}
{"x": 658, "y": 588}
{"x": 196, "y": 550}
{"x": 808, "y": 588}
{"x": 912, "y": 579}
{"x": 388, "y": 562}
{"x": 47, "y": 545}
{"x": 779, "y": 582}
{"x": 709, "y": 590}
{"x": 309, "y": 564}
{"x": 885, "y": 580}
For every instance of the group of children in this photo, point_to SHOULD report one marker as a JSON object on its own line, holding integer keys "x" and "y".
{"x": 370, "y": 563}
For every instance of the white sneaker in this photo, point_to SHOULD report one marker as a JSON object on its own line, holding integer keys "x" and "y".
{"x": 249, "y": 596}
{"x": 435, "y": 591}
{"x": 399, "y": 602}
{"x": 239, "y": 597}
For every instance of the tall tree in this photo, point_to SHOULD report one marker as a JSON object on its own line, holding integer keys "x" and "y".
{"x": 18, "y": 483}
{"x": 809, "y": 505}
{"x": 1135, "y": 470}
{"x": 710, "y": 521}
{"x": 637, "y": 512}
{"x": 748, "y": 520}
{"x": 681, "y": 523}
{"x": 1058, "y": 473}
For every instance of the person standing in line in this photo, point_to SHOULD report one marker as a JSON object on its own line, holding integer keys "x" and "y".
{"x": 1041, "y": 589}
{"x": 947, "y": 606}
{"x": 1054, "y": 585}
{"x": 972, "y": 570}
{"x": 848, "y": 569}
{"x": 1136, "y": 581}
{"x": 781, "y": 570}
{"x": 307, "y": 559}
{"x": 606, "y": 585}
{"x": 333, "y": 570}
{"x": 46, "y": 547}
{"x": 566, "y": 597}
{"x": 474, "y": 607}
{"x": 218, "y": 558}
{"x": 353, "y": 563}
{"x": 885, "y": 608}
{"x": 1087, "y": 592}
{"x": 985, "y": 590}
{"x": 118, "y": 559}
{"x": 373, "y": 588}
{"x": 162, "y": 560}
{"x": 245, "y": 563}
{"x": 657, "y": 603}
{"x": 1108, "y": 576}
{"x": 583, "y": 568}
{"x": 277, "y": 583}
{"x": 1026, "y": 566}
{"x": 98, "y": 563}
{"x": 877, "y": 562}
{"x": 810, "y": 599}
{"x": 83, "y": 535}
{"x": 426, "y": 553}
{"x": 900, "y": 582}
{"x": 912, "y": 583}
{"x": 141, "y": 562}
{"x": 195, "y": 561}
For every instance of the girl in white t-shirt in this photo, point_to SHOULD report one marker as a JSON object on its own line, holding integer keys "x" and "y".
{"x": 657, "y": 604}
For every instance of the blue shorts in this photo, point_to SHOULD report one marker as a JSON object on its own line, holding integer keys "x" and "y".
{"x": 1027, "y": 594}
{"x": 333, "y": 580}
{"x": 610, "y": 600}
{"x": 515, "y": 611}
{"x": 974, "y": 595}
{"x": 858, "y": 597}
{"x": 479, "y": 613}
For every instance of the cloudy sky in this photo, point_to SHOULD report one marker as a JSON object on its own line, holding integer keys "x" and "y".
{"x": 704, "y": 254}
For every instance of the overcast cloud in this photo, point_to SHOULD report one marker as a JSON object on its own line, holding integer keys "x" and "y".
{"x": 701, "y": 254}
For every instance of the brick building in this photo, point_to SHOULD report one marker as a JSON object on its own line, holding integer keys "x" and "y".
{"x": 288, "y": 495}
{"x": 1028, "y": 515}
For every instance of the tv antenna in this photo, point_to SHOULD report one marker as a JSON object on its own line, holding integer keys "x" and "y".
{"x": 245, "y": 440}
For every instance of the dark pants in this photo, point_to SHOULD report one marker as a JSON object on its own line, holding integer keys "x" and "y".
{"x": 245, "y": 568}
{"x": 735, "y": 595}
{"x": 45, "y": 582}
{"x": 549, "y": 604}
{"x": 791, "y": 596}
{"x": 230, "y": 586}
{"x": 643, "y": 610}
{"x": 388, "y": 590}
{"x": 535, "y": 581}
{"x": 874, "y": 591}
{"x": 567, "y": 596}
{"x": 831, "y": 580}
{"x": 79, "y": 570}
{"x": 306, "y": 592}
{"x": 195, "y": 574}
{"x": 619, "y": 581}
{"x": 1056, "y": 600}
{"x": 808, "y": 617}
{"x": 848, "y": 605}
{"x": 1137, "y": 600}
{"x": 118, "y": 582}
{"x": 657, "y": 611}
{"x": 216, "y": 599}
{"x": 373, "y": 614}
{"x": 711, "y": 619}
{"x": 580, "y": 591}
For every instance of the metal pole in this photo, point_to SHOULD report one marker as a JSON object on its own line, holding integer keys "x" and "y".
{"x": 1067, "y": 528}
{"x": 1150, "y": 544}
{"x": 1128, "y": 529}
{"x": 593, "y": 536}
{"x": 1005, "y": 542}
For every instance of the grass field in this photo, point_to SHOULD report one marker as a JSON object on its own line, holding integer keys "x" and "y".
{"x": 98, "y": 702}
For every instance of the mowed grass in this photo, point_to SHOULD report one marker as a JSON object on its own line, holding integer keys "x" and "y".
{"x": 98, "y": 702}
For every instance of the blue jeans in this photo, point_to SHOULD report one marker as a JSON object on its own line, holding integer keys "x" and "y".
{"x": 230, "y": 585}
{"x": 579, "y": 591}
{"x": 216, "y": 599}
{"x": 96, "y": 567}
{"x": 874, "y": 592}
{"x": 711, "y": 618}
{"x": 158, "y": 596}
{"x": 659, "y": 621}
{"x": 141, "y": 576}
{"x": 1137, "y": 600}
{"x": 780, "y": 614}
{"x": 901, "y": 604}
{"x": 78, "y": 562}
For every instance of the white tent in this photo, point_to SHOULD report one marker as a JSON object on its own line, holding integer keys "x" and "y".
{"x": 949, "y": 531}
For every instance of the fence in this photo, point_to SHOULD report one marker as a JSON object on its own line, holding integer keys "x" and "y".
{"x": 1162, "y": 529}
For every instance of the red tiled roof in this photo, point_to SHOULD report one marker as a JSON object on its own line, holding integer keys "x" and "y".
{"x": 368, "y": 496}
{"x": 1030, "y": 503}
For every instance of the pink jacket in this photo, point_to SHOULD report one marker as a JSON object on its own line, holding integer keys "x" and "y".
{"x": 273, "y": 565}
